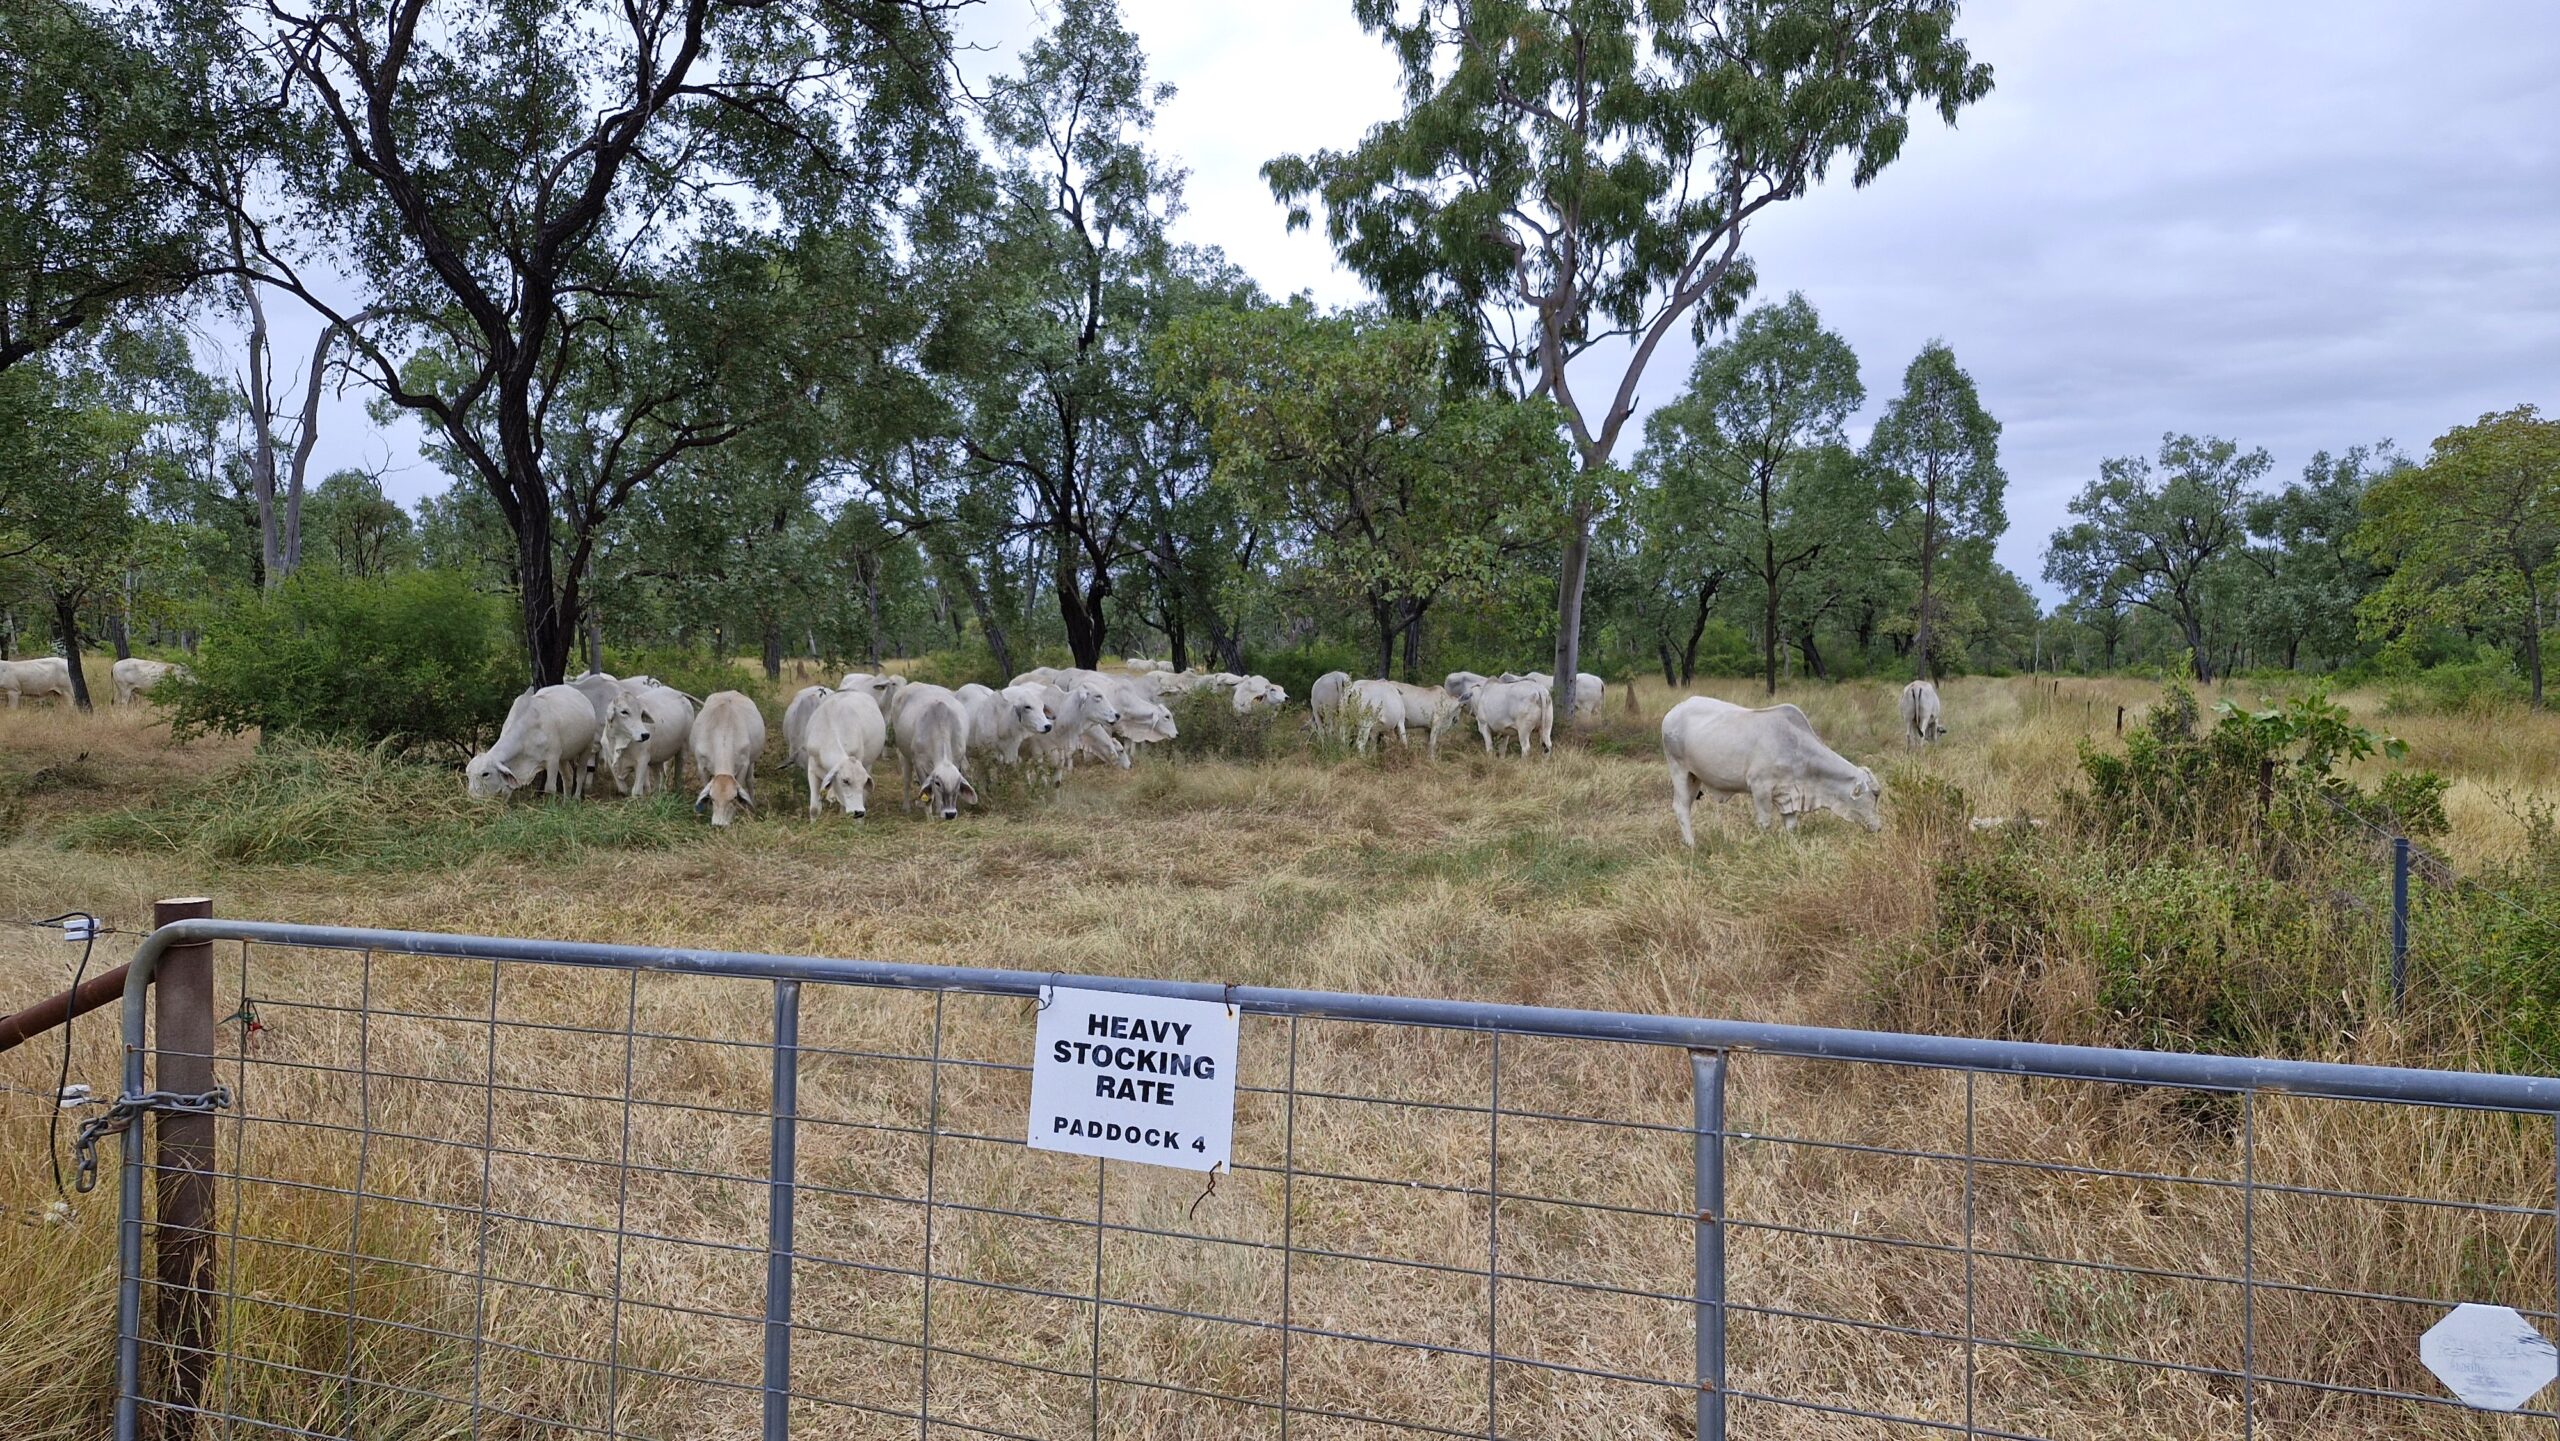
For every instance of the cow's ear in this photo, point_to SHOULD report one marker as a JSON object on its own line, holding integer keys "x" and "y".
{"x": 968, "y": 790}
{"x": 505, "y": 773}
{"x": 827, "y": 782}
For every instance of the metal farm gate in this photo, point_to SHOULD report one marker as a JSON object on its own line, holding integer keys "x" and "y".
{"x": 448, "y": 1186}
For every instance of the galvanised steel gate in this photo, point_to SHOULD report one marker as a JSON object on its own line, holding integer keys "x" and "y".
{"x": 487, "y": 1186}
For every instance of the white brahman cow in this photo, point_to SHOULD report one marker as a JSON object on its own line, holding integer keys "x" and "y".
{"x": 727, "y": 737}
{"x": 548, "y": 733}
{"x": 840, "y": 742}
{"x": 1771, "y": 755}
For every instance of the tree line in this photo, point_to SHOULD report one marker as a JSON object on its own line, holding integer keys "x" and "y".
{"x": 762, "y": 329}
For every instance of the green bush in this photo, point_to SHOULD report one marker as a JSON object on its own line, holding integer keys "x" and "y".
{"x": 1206, "y": 724}
{"x": 958, "y": 667}
{"x": 417, "y": 662}
{"x": 695, "y": 672}
{"x": 2487, "y": 682}
{"x": 305, "y": 803}
{"x": 1295, "y": 671}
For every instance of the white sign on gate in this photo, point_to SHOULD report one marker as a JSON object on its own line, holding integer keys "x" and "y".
{"x": 2489, "y": 1357}
{"x": 1134, "y": 1078}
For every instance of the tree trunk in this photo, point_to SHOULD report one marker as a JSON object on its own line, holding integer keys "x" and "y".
{"x": 1084, "y": 631}
{"x": 1697, "y": 628}
{"x": 1670, "y": 668}
{"x": 550, "y": 627}
{"x": 262, "y": 437}
{"x": 595, "y": 640}
{"x": 1812, "y": 657}
{"x": 772, "y": 649}
{"x": 1577, "y": 565}
{"x": 1413, "y": 642}
{"x": 1922, "y": 664}
{"x": 2533, "y": 646}
{"x": 869, "y": 570}
{"x": 1384, "y": 615}
{"x": 66, "y": 622}
{"x": 1769, "y": 631}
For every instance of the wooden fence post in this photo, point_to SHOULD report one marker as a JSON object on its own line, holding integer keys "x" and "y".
{"x": 182, "y": 1164}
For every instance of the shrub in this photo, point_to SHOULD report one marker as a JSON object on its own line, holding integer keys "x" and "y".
{"x": 1295, "y": 671}
{"x": 416, "y": 662}
{"x": 2485, "y": 683}
{"x": 1206, "y": 724}
{"x": 695, "y": 672}
{"x": 299, "y": 802}
{"x": 958, "y": 667}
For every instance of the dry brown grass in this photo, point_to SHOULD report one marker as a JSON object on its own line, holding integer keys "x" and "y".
{"x": 1557, "y": 883}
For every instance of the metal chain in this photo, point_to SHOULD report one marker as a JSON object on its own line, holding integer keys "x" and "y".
{"x": 119, "y": 1119}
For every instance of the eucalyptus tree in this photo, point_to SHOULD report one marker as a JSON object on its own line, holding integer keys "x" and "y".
{"x": 2313, "y": 576}
{"x": 2472, "y": 535}
{"x": 2163, "y": 538}
{"x": 1346, "y": 434}
{"x": 102, "y": 113}
{"x": 1577, "y": 176}
{"x": 1758, "y": 439}
{"x": 1057, "y": 300}
{"x": 1943, "y": 448}
{"x": 529, "y": 193}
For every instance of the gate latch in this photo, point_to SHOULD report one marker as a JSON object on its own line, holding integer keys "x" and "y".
{"x": 119, "y": 1119}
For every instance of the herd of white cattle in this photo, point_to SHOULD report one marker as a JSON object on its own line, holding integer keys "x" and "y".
{"x": 49, "y": 678}
{"x": 637, "y": 733}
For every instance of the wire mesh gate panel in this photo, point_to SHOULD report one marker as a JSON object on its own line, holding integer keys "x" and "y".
{"x": 484, "y": 1187}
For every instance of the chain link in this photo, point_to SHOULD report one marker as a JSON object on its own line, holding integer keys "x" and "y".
{"x": 119, "y": 1119}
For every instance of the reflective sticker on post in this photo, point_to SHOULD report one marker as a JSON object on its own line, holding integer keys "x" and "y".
{"x": 1134, "y": 1078}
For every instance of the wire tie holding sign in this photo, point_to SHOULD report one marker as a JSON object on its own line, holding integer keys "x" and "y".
{"x": 1204, "y": 1195}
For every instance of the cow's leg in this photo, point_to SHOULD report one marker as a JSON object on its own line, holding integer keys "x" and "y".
{"x": 810, "y": 765}
{"x": 1681, "y": 799}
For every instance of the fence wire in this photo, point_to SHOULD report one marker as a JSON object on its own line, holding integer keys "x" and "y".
{"x": 499, "y": 1197}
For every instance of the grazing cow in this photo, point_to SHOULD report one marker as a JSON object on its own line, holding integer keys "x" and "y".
{"x": 1770, "y": 755}
{"x": 36, "y": 679}
{"x": 933, "y": 736}
{"x": 727, "y": 737}
{"x": 1371, "y": 707}
{"x": 883, "y": 689}
{"x": 599, "y": 689}
{"x": 1001, "y": 720}
{"x": 549, "y": 732}
{"x": 1324, "y": 698}
{"x": 1590, "y": 692}
{"x": 795, "y": 717}
{"x": 135, "y": 676}
{"x": 1255, "y": 693}
{"x": 839, "y": 745}
{"x": 642, "y": 741}
{"x": 1463, "y": 683}
{"x": 1082, "y": 716}
{"x": 1143, "y": 719}
{"x": 1520, "y": 707}
{"x": 1920, "y": 725}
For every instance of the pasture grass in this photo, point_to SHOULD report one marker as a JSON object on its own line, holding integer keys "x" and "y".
{"x": 1557, "y": 882}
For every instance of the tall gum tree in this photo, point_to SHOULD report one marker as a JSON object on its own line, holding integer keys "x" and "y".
{"x": 1943, "y": 449}
{"x": 2472, "y": 535}
{"x": 1757, "y": 439}
{"x": 2163, "y": 538}
{"x": 517, "y": 187}
{"x": 1578, "y": 174}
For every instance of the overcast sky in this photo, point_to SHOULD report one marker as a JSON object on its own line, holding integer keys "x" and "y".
{"x": 2301, "y": 225}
